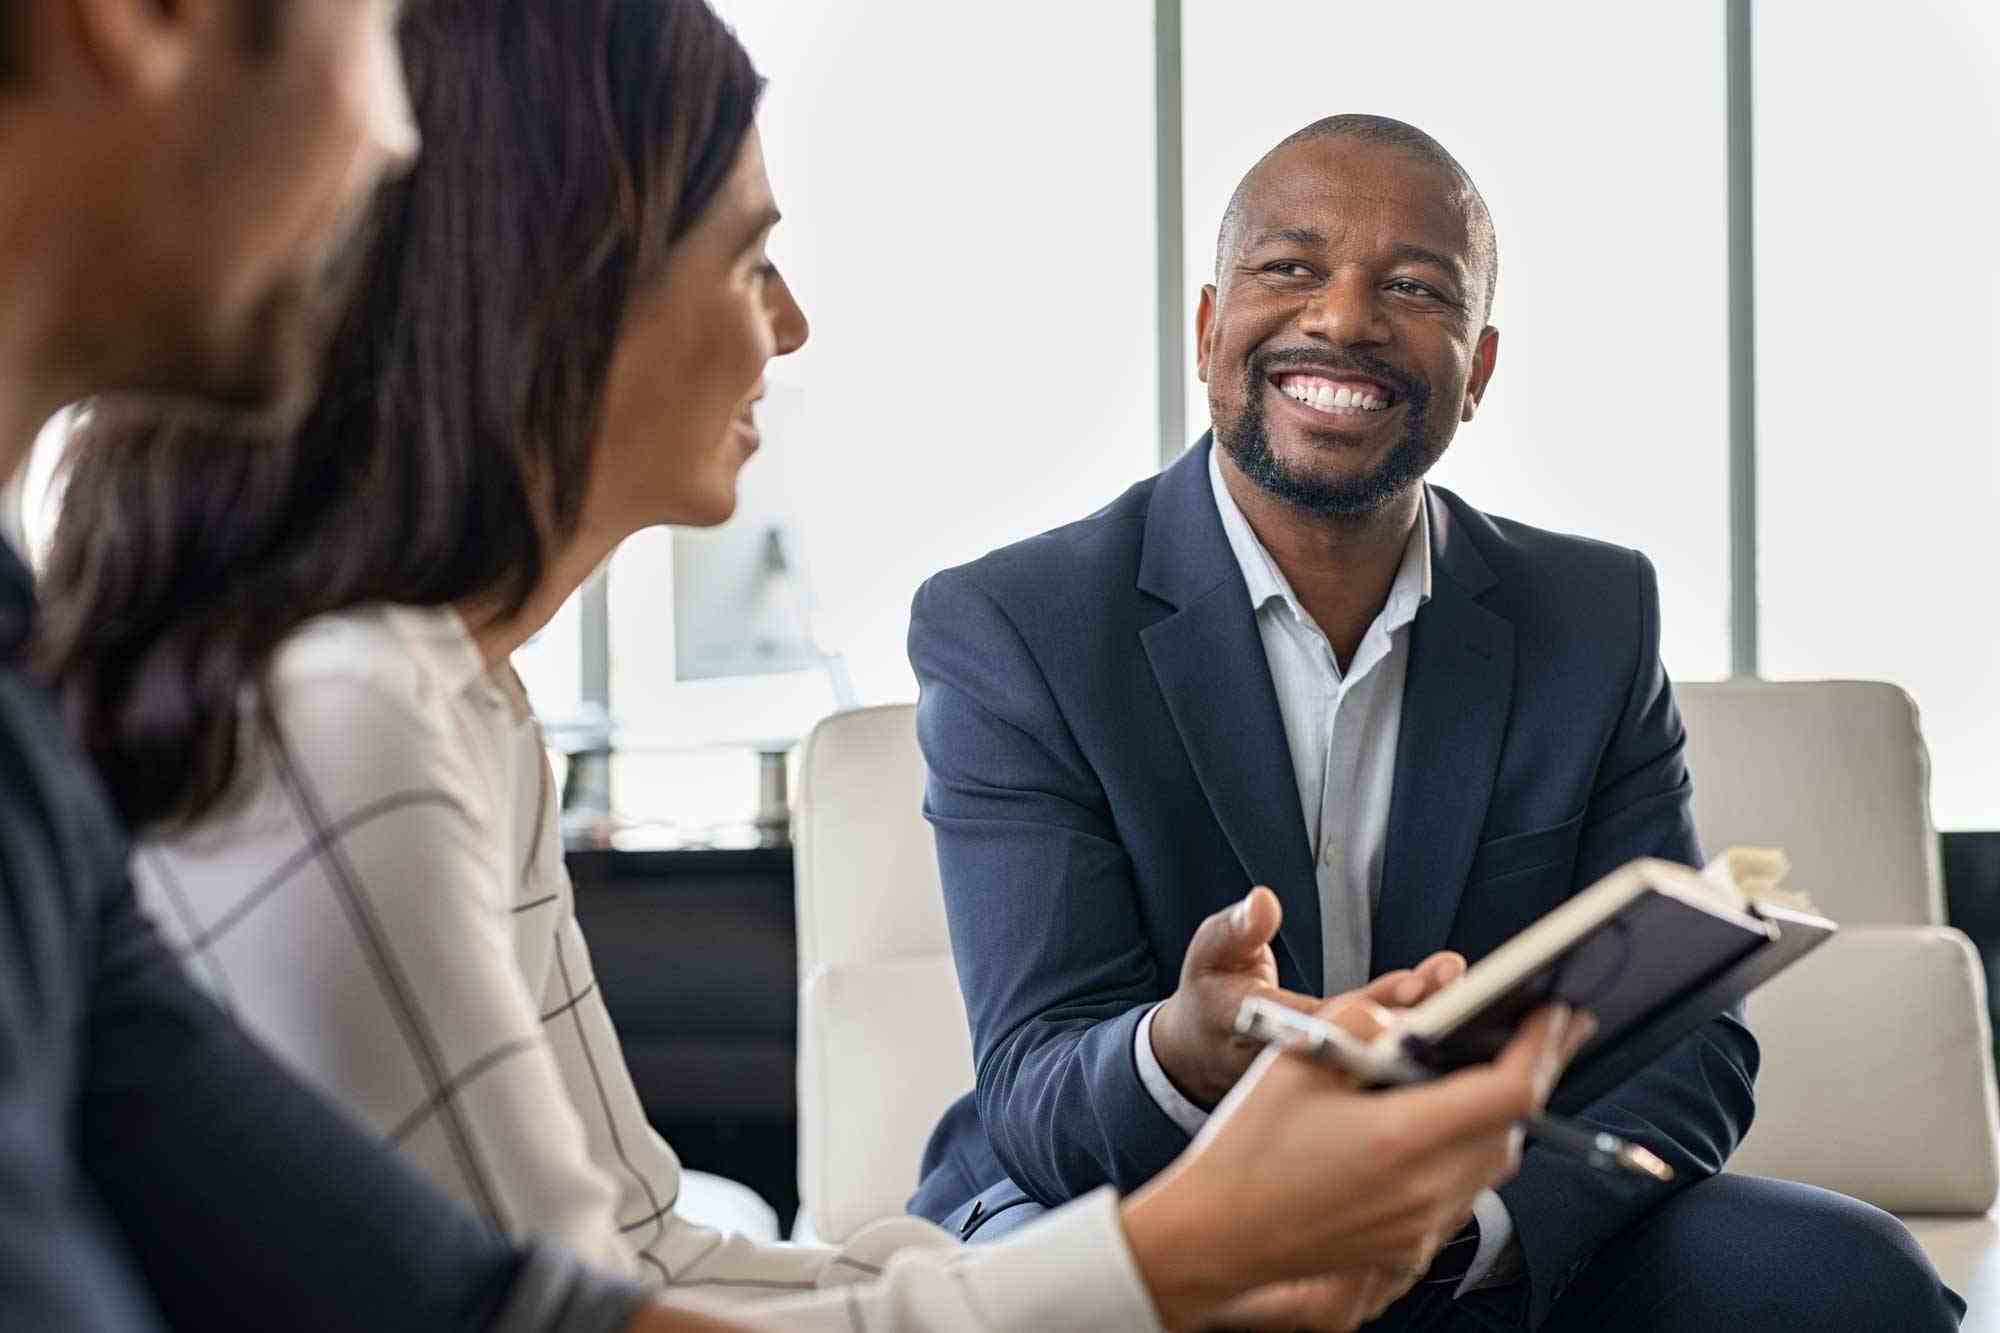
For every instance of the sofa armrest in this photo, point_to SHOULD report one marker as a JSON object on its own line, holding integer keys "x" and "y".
{"x": 883, "y": 1050}
{"x": 1877, "y": 1078}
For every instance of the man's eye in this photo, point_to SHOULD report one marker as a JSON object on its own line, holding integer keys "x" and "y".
{"x": 1411, "y": 287}
{"x": 1288, "y": 268}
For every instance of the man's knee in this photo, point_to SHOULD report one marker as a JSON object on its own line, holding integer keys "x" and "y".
{"x": 1810, "y": 1258}
{"x": 1869, "y": 1269}
{"x": 1750, "y": 1254}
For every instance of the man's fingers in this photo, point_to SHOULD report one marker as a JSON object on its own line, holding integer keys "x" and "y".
{"x": 1440, "y": 970}
{"x": 1413, "y": 985}
{"x": 1233, "y": 939}
{"x": 1291, "y": 999}
{"x": 1355, "y": 1012}
{"x": 1399, "y": 989}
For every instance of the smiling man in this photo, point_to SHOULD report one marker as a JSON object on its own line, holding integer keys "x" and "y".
{"x": 1287, "y": 660}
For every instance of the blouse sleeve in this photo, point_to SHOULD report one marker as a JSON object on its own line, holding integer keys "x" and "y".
{"x": 518, "y": 1101}
{"x": 389, "y": 969}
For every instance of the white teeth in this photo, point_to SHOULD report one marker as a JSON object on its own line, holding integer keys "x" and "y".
{"x": 1327, "y": 398}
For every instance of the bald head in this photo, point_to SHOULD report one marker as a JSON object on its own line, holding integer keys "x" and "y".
{"x": 1383, "y": 132}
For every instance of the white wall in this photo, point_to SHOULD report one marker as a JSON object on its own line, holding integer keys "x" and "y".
{"x": 969, "y": 223}
{"x": 1597, "y": 134}
{"x": 1878, "y": 321}
{"x": 968, "y": 197}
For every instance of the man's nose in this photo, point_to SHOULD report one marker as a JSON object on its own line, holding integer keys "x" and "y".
{"x": 1346, "y": 311}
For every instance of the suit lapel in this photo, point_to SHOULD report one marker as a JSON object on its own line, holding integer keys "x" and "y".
{"x": 1209, "y": 661}
{"x": 1456, "y": 699}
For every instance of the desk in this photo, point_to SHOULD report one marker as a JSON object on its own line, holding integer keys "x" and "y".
{"x": 697, "y": 955}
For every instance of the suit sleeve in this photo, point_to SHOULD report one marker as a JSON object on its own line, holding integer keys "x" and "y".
{"x": 1046, "y": 926}
{"x": 1691, "y": 1106}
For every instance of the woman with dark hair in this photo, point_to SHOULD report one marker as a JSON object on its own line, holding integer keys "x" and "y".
{"x": 289, "y": 658}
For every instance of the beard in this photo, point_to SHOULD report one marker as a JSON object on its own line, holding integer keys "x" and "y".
{"x": 1247, "y": 438}
{"x": 260, "y": 374}
{"x": 282, "y": 361}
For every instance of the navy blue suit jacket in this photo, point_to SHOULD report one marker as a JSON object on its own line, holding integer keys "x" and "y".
{"x": 1107, "y": 767}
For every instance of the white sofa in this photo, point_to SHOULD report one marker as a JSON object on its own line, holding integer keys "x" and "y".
{"x": 1877, "y": 1078}
{"x": 883, "y": 1044}
{"x": 1878, "y": 1057}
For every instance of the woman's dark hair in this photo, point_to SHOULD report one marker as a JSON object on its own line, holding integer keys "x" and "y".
{"x": 568, "y": 144}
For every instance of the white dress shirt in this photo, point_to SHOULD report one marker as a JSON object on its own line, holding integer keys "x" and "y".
{"x": 1341, "y": 728}
{"x": 382, "y": 900}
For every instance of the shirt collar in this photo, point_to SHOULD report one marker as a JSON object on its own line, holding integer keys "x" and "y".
{"x": 437, "y": 637}
{"x": 1266, "y": 581}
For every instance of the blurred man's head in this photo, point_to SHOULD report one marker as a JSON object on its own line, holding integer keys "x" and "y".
{"x": 1345, "y": 335}
{"x": 177, "y": 182}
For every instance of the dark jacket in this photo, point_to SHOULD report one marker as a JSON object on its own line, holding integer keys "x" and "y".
{"x": 156, "y": 1167}
{"x": 1108, "y": 767}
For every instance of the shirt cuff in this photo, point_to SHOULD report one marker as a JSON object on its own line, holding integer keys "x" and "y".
{"x": 1497, "y": 1261}
{"x": 1073, "y": 1269}
{"x": 1177, "y": 1108}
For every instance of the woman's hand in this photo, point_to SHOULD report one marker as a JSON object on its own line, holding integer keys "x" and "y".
{"x": 1300, "y": 1175}
{"x": 1330, "y": 1303}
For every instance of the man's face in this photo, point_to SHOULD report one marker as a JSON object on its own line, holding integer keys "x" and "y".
{"x": 266, "y": 161}
{"x": 1344, "y": 338}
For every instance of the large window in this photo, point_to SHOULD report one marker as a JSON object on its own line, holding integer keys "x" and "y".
{"x": 1597, "y": 134}
{"x": 1878, "y": 322}
{"x": 969, "y": 224}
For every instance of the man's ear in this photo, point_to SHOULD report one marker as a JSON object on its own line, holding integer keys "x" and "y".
{"x": 1204, "y": 330}
{"x": 1484, "y": 357}
{"x": 146, "y": 46}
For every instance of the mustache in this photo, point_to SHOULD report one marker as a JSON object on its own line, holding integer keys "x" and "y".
{"x": 1329, "y": 361}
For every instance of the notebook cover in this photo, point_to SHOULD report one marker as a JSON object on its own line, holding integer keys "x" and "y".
{"x": 1648, "y": 955}
{"x": 1605, "y": 1063}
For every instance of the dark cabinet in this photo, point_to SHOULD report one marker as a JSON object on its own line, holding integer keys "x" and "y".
{"x": 697, "y": 954}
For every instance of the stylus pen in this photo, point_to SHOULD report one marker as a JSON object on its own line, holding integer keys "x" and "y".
{"x": 1274, "y": 1024}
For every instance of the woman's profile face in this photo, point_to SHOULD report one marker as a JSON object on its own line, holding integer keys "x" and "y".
{"x": 688, "y": 366}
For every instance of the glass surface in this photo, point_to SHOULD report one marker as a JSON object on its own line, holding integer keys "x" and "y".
{"x": 1878, "y": 330}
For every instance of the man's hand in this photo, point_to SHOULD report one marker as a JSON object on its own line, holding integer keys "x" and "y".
{"x": 1229, "y": 959}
